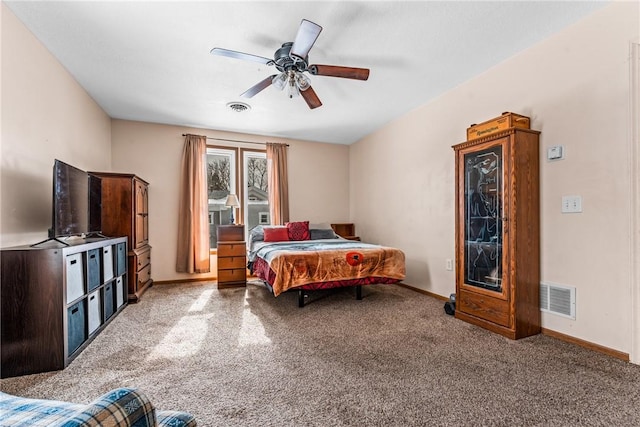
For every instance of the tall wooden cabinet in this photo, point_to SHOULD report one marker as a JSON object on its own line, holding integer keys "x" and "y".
{"x": 497, "y": 232}
{"x": 125, "y": 212}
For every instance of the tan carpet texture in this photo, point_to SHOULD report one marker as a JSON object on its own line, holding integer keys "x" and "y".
{"x": 241, "y": 357}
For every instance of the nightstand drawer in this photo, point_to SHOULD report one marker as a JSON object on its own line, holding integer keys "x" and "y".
{"x": 232, "y": 249}
{"x": 226, "y": 263}
{"x": 235, "y": 275}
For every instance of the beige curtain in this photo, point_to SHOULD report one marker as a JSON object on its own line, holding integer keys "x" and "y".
{"x": 193, "y": 224}
{"x": 278, "y": 183}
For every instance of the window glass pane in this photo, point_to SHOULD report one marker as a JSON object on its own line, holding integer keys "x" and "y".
{"x": 221, "y": 181}
{"x": 256, "y": 198}
{"x": 483, "y": 218}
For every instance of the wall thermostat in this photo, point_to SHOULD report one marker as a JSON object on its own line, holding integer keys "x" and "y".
{"x": 555, "y": 153}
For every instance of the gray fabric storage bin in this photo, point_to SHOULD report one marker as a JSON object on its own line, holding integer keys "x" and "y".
{"x": 120, "y": 293}
{"x": 107, "y": 262}
{"x": 94, "y": 320}
{"x": 75, "y": 277}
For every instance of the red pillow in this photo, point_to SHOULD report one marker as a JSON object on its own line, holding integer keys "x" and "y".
{"x": 276, "y": 234}
{"x": 298, "y": 230}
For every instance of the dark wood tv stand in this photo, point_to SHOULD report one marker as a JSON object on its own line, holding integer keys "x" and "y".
{"x": 55, "y": 300}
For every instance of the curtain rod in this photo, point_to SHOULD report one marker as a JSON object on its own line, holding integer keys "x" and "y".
{"x": 235, "y": 140}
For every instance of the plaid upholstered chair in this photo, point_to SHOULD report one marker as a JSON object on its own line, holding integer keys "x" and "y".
{"x": 120, "y": 407}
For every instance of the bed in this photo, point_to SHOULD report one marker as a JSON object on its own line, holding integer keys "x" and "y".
{"x": 302, "y": 258}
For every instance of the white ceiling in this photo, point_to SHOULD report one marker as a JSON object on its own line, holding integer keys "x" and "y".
{"x": 150, "y": 61}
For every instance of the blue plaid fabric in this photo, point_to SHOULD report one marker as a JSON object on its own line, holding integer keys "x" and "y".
{"x": 120, "y": 407}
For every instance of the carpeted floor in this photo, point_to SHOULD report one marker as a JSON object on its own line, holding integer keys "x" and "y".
{"x": 240, "y": 357}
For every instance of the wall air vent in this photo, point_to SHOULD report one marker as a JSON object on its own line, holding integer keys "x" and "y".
{"x": 558, "y": 299}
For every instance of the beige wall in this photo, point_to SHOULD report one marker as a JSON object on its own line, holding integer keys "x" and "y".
{"x": 318, "y": 180}
{"x": 396, "y": 184}
{"x": 45, "y": 115}
{"x": 575, "y": 87}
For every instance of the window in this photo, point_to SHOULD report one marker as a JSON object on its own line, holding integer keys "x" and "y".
{"x": 221, "y": 181}
{"x": 263, "y": 218}
{"x": 247, "y": 179}
{"x": 256, "y": 198}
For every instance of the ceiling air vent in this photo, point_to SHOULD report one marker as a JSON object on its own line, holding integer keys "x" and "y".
{"x": 558, "y": 299}
{"x": 239, "y": 107}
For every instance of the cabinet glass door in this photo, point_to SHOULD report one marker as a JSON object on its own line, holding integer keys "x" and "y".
{"x": 483, "y": 198}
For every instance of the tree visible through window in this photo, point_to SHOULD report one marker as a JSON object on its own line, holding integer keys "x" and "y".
{"x": 256, "y": 198}
{"x": 218, "y": 173}
{"x": 257, "y": 173}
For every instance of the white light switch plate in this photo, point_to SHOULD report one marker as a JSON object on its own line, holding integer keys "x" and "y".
{"x": 571, "y": 204}
{"x": 449, "y": 264}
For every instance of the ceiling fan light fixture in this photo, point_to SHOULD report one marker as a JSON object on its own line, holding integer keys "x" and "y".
{"x": 292, "y": 89}
{"x": 302, "y": 81}
{"x": 239, "y": 107}
{"x": 280, "y": 81}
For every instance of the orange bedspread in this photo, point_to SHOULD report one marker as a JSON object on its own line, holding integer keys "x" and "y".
{"x": 302, "y": 264}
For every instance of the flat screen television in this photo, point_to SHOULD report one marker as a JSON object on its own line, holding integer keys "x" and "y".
{"x": 77, "y": 201}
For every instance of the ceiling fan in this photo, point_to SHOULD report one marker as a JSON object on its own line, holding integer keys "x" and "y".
{"x": 292, "y": 60}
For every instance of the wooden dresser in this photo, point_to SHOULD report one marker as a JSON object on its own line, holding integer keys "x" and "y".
{"x": 125, "y": 212}
{"x": 232, "y": 256}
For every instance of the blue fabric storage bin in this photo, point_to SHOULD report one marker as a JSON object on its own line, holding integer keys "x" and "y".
{"x": 93, "y": 269}
{"x": 108, "y": 300}
{"x": 76, "y": 329}
{"x": 121, "y": 258}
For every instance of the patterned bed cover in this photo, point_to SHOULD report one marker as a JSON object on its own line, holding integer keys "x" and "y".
{"x": 327, "y": 263}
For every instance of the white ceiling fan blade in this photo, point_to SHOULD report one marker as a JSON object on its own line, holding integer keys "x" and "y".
{"x": 306, "y": 37}
{"x": 241, "y": 55}
{"x": 255, "y": 89}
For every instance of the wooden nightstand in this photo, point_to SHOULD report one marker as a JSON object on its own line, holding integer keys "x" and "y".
{"x": 232, "y": 256}
{"x": 346, "y": 230}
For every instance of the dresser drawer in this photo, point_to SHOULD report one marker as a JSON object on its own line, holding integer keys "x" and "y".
{"x": 144, "y": 258}
{"x": 235, "y": 275}
{"x": 226, "y": 263}
{"x": 232, "y": 249}
{"x": 144, "y": 275}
